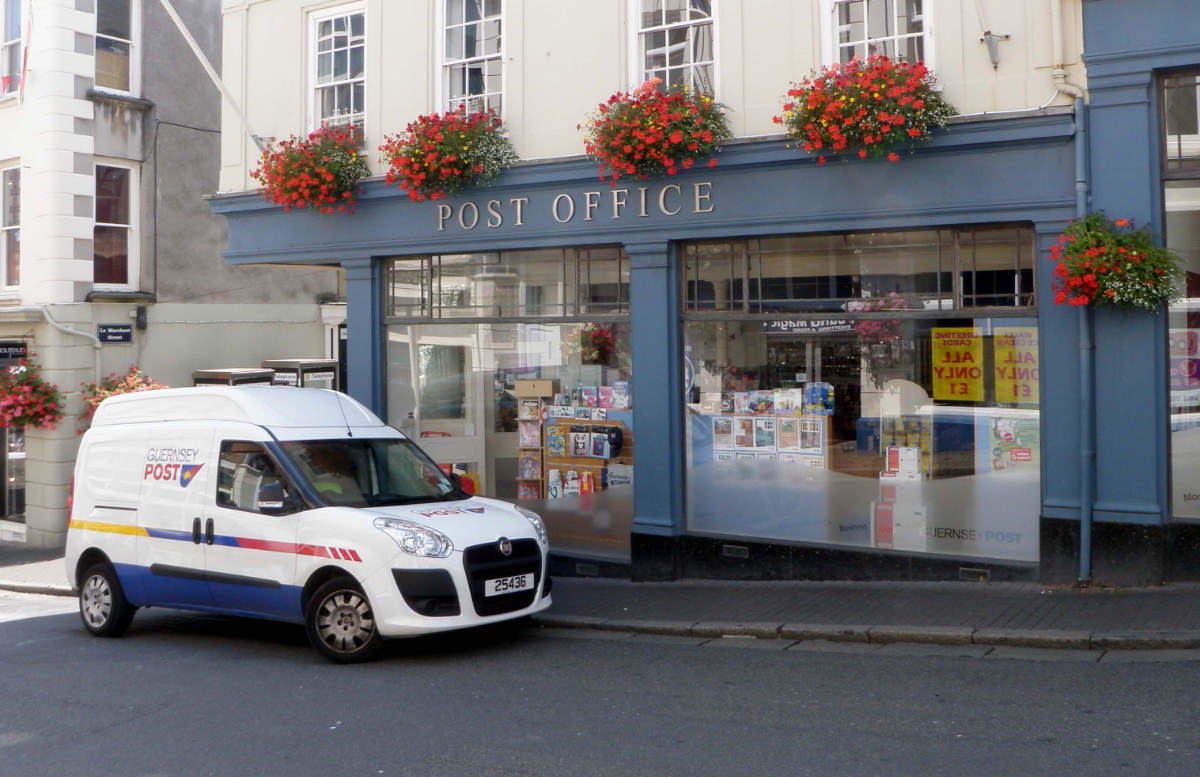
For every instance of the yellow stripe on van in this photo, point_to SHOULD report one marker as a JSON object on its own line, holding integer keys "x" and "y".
{"x": 111, "y": 528}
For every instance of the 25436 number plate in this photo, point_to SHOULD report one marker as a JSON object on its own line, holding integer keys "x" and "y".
{"x": 508, "y": 585}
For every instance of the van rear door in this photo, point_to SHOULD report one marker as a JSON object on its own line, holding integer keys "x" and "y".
{"x": 176, "y": 475}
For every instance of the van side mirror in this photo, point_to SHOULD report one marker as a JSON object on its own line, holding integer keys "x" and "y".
{"x": 272, "y": 499}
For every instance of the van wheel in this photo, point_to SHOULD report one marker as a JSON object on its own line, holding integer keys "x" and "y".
{"x": 341, "y": 623}
{"x": 102, "y": 604}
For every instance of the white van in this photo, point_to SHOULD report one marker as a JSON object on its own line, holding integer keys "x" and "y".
{"x": 292, "y": 504}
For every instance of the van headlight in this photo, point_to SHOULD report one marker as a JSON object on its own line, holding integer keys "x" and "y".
{"x": 416, "y": 539}
{"x": 536, "y": 520}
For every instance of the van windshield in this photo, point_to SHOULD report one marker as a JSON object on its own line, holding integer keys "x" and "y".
{"x": 370, "y": 472}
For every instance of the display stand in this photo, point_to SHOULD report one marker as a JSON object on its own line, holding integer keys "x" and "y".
{"x": 592, "y": 470}
{"x": 532, "y": 397}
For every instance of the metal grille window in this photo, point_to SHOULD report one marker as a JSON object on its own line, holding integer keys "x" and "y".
{"x": 114, "y": 223}
{"x": 339, "y": 92}
{"x": 114, "y": 44}
{"x": 10, "y": 46}
{"x": 1180, "y": 121}
{"x": 675, "y": 43}
{"x": 948, "y": 269}
{"x": 544, "y": 283}
{"x": 894, "y": 28}
{"x": 472, "y": 57}
{"x": 10, "y": 225}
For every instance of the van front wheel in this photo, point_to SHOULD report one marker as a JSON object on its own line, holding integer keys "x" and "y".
{"x": 341, "y": 623}
{"x": 102, "y": 604}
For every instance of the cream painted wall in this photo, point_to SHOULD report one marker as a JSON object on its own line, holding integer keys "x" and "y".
{"x": 563, "y": 57}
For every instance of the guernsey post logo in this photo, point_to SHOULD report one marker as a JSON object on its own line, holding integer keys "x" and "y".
{"x": 172, "y": 464}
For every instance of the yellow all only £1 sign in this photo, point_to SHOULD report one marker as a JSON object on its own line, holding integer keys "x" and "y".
{"x": 1017, "y": 371}
{"x": 957, "y": 364}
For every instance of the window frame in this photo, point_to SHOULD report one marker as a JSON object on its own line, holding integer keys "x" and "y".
{"x": 314, "y": 120}
{"x": 575, "y": 271}
{"x": 693, "y": 307}
{"x": 133, "y": 253}
{"x": 135, "y": 60}
{"x": 15, "y": 78}
{"x": 5, "y": 228}
{"x": 637, "y": 60}
{"x": 1180, "y": 170}
{"x": 829, "y": 31}
{"x": 444, "y": 64}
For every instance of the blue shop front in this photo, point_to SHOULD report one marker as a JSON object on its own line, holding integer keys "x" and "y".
{"x": 768, "y": 368}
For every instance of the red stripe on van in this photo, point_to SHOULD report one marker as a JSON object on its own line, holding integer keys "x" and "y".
{"x": 354, "y": 555}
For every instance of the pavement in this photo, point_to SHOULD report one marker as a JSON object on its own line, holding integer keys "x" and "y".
{"x": 953, "y": 613}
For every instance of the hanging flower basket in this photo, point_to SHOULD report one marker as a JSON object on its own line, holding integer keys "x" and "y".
{"x": 320, "y": 171}
{"x": 877, "y": 331}
{"x": 867, "y": 108}
{"x": 647, "y": 132}
{"x": 1110, "y": 263}
{"x": 441, "y": 154}
{"x": 27, "y": 400}
{"x": 591, "y": 343}
{"x": 95, "y": 393}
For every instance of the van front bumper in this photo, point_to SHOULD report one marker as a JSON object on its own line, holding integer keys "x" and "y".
{"x": 413, "y": 596}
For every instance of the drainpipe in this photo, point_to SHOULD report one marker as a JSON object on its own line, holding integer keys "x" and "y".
{"x": 1087, "y": 365}
{"x": 68, "y": 330}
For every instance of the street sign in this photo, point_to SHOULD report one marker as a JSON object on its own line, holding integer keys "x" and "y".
{"x": 115, "y": 333}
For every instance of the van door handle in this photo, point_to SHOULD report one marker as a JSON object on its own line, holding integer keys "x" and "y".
{"x": 208, "y": 531}
{"x": 196, "y": 531}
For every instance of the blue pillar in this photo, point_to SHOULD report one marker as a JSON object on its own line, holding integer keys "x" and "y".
{"x": 657, "y": 412}
{"x": 364, "y": 334}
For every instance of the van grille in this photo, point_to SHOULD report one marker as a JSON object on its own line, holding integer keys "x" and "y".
{"x": 486, "y": 562}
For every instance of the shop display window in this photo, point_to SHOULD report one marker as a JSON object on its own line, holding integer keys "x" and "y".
{"x": 485, "y": 373}
{"x": 1180, "y": 157}
{"x": 905, "y": 419}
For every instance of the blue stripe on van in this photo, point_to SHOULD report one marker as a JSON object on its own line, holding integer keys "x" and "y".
{"x": 144, "y": 588}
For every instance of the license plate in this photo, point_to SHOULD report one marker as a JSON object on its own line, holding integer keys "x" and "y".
{"x": 508, "y": 585}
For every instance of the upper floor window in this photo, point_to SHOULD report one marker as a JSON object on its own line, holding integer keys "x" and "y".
{"x": 10, "y": 225}
{"x": 675, "y": 43}
{"x": 892, "y": 28}
{"x": 10, "y": 46}
{"x": 339, "y": 78}
{"x": 115, "y": 23}
{"x": 472, "y": 69}
{"x": 1181, "y": 124}
{"x": 114, "y": 249}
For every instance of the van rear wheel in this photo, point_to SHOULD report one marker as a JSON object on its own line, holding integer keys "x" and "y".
{"x": 102, "y": 604}
{"x": 341, "y": 623}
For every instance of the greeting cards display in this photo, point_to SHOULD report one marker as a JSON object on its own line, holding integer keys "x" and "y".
{"x": 722, "y": 431}
{"x": 556, "y": 440}
{"x": 529, "y": 434}
{"x": 529, "y": 408}
{"x": 529, "y": 465}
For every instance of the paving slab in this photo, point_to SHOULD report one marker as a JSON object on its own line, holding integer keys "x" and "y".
{"x": 831, "y": 632}
{"x": 730, "y": 628}
{"x": 1041, "y": 638}
{"x": 1145, "y": 640}
{"x": 933, "y": 635}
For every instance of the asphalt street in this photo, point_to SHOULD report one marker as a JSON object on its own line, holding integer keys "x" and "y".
{"x": 187, "y": 694}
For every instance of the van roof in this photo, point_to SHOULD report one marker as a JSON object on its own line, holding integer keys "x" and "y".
{"x": 270, "y": 406}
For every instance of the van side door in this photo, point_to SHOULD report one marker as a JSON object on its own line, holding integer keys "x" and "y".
{"x": 176, "y": 472}
{"x": 250, "y": 536}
